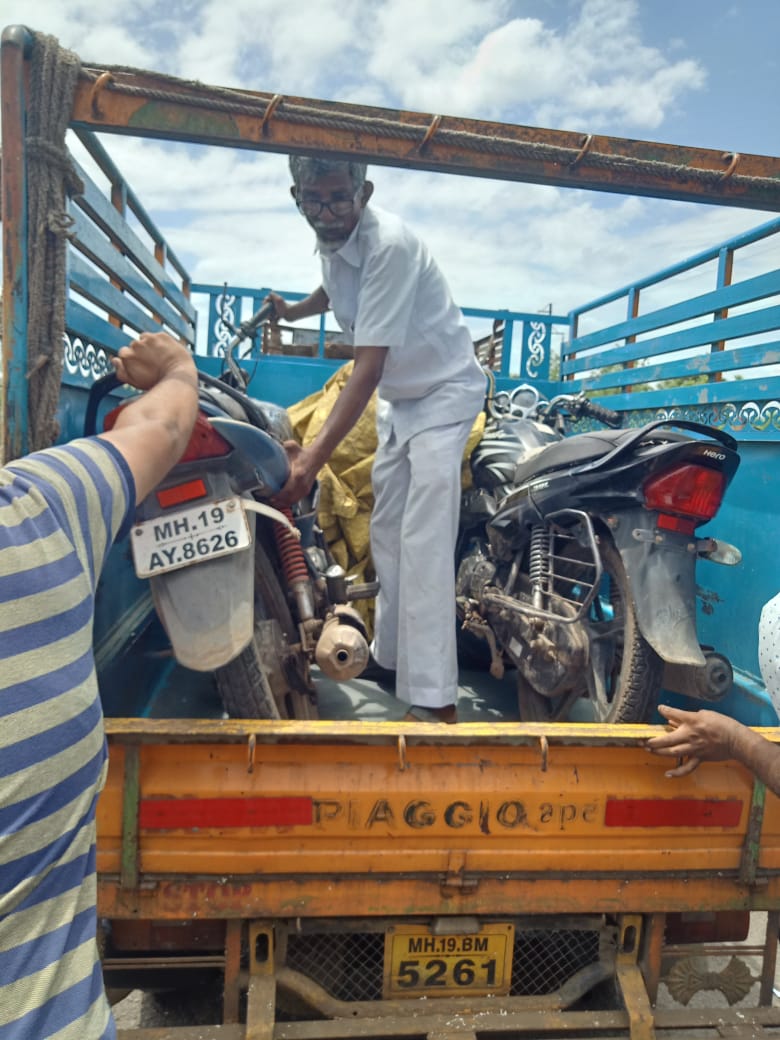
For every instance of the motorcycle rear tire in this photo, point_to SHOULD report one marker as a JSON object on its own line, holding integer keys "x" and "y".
{"x": 634, "y": 673}
{"x": 249, "y": 688}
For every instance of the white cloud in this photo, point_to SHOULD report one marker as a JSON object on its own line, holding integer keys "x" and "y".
{"x": 583, "y": 64}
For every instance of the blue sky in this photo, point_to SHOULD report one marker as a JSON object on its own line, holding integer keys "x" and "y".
{"x": 698, "y": 72}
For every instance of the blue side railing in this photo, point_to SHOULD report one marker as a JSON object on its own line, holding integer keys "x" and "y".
{"x": 519, "y": 346}
{"x": 123, "y": 277}
{"x": 702, "y": 336}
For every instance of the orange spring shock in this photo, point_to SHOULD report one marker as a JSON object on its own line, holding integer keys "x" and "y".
{"x": 294, "y": 567}
{"x": 290, "y": 552}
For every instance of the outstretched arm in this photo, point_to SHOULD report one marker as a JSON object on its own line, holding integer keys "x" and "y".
{"x": 708, "y": 736}
{"x": 305, "y": 463}
{"x": 152, "y": 431}
{"x": 315, "y": 303}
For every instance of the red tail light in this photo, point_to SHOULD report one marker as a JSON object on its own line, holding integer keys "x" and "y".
{"x": 205, "y": 442}
{"x": 691, "y": 491}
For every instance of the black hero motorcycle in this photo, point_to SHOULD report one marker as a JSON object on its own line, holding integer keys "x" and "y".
{"x": 577, "y": 557}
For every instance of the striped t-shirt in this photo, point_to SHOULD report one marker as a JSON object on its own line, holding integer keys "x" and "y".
{"x": 60, "y": 510}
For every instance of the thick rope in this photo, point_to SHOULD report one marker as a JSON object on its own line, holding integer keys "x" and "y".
{"x": 51, "y": 177}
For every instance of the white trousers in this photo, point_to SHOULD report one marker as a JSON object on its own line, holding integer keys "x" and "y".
{"x": 414, "y": 527}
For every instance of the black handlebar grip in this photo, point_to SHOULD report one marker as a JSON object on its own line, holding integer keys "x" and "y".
{"x": 605, "y": 415}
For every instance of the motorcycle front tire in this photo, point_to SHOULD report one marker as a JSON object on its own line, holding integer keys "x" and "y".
{"x": 252, "y": 686}
{"x": 632, "y": 672}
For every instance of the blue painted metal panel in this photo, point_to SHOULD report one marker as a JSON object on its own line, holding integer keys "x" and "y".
{"x": 131, "y": 200}
{"x": 93, "y": 327}
{"x": 702, "y": 364}
{"x": 93, "y": 285}
{"x": 93, "y": 244}
{"x": 535, "y": 361}
{"x": 727, "y": 297}
{"x": 535, "y": 358}
{"x": 283, "y": 380}
{"x": 749, "y": 409}
{"x": 753, "y": 323}
{"x": 99, "y": 209}
{"x": 734, "y": 596}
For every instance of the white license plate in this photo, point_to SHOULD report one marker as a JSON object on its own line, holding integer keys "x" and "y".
{"x": 189, "y": 536}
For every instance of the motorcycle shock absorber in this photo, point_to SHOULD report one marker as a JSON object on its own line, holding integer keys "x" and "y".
{"x": 539, "y": 564}
{"x": 294, "y": 568}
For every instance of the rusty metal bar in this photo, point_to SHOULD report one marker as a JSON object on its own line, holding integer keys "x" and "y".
{"x": 172, "y": 898}
{"x": 652, "y": 951}
{"x": 146, "y": 104}
{"x": 184, "y": 1033}
{"x": 278, "y": 731}
{"x": 769, "y": 962}
{"x": 751, "y": 849}
{"x": 742, "y": 1022}
{"x": 534, "y": 1025}
{"x": 231, "y": 991}
{"x": 261, "y": 992}
{"x": 131, "y": 793}
{"x": 630, "y": 981}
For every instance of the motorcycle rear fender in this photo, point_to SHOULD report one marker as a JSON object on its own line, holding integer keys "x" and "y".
{"x": 662, "y": 579}
{"x": 259, "y": 462}
{"x": 207, "y": 610}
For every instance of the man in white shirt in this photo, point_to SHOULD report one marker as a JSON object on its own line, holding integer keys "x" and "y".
{"x": 412, "y": 346}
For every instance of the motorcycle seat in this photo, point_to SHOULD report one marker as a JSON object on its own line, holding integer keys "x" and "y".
{"x": 577, "y": 450}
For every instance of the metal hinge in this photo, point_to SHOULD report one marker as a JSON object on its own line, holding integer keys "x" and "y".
{"x": 455, "y": 879}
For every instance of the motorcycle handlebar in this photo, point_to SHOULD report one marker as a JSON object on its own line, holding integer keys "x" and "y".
{"x": 605, "y": 415}
{"x": 249, "y": 327}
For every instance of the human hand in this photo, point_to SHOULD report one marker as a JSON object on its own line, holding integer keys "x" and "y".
{"x": 694, "y": 737}
{"x": 303, "y": 473}
{"x": 281, "y": 307}
{"x": 150, "y": 358}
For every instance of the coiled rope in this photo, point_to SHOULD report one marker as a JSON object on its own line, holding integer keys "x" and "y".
{"x": 51, "y": 178}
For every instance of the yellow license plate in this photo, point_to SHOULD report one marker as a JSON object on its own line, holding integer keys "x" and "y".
{"x": 419, "y": 963}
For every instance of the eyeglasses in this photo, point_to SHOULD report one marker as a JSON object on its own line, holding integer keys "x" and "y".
{"x": 338, "y": 207}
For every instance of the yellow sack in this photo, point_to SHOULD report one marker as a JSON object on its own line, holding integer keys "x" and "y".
{"x": 346, "y": 498}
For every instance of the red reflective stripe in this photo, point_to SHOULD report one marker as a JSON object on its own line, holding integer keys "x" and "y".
{"x": 672, "y": 812}
{"x": 174, "y": 496}
{"x": 170, "y": 813}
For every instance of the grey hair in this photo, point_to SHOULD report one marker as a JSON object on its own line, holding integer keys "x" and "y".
{"x": 308, "y": 168}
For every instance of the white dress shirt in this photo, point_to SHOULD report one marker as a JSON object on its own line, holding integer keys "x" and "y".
{"x": 386, "y": 290}
{"x": 769, "y": 649}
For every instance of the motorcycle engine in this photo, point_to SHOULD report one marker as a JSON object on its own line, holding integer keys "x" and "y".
{"x": 475, "y": 572}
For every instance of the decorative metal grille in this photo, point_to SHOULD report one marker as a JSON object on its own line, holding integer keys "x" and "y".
{"x": 349, "y": 965}
{"x": 544, "y": 960}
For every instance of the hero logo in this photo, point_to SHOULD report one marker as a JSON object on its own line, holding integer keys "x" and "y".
{"x": 710, "y": 454}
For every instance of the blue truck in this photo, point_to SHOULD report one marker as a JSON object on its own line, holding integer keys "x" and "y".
{"x": 354, "y": 875}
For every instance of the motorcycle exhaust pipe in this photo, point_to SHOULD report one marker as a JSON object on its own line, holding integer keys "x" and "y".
{"x": 710, "y": 682}
{"x": 341, "y": 652}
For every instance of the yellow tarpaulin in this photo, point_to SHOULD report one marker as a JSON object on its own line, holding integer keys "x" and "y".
{"x": 346, "y": 498}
